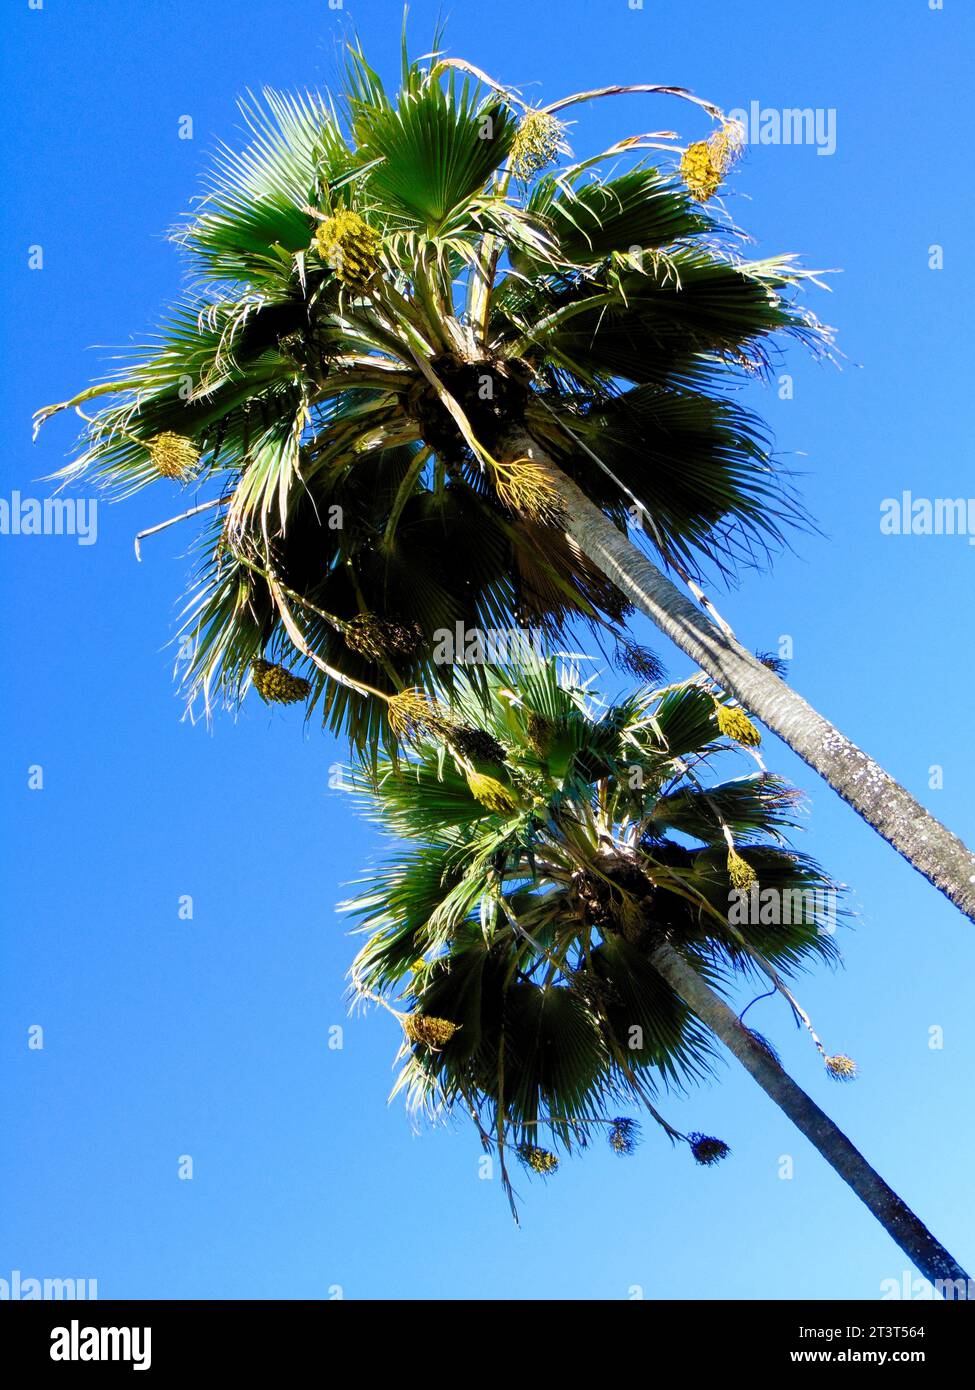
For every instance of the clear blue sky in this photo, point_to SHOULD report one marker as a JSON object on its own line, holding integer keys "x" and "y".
{"x": 208, "y": 1037}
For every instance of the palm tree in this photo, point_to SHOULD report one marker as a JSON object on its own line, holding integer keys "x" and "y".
{"x": 575, "y": 896}
{"x": 425, "y": 377}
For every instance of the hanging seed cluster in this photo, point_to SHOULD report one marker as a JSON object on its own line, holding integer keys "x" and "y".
{"x": 642, "y": 663}
{"x": 734, "y": 723}
{"x": 498, "y": 798}
{"x": 538, "y": 1160}
{"x": 173, "y": 455}
{"x": 740, "y": 872}
{"x": 776, "y": 664}
{"x": 351, "y": 248}
{"x": 624, "y": 1135}
{"x": 705, "y": 163}
{"x": 613, "y": 600}
{"x": 699, "y": 172}
{"x": 381, "y": 639}
{"x": 707, "y": 1150}
{"x": 428, "y": 1031}
{"x": 477, "y": 745}
{"x": 538, "y": 141}
{"x": 842, "y": 1068}
{"x": 277, "y": 685}
{"x": 412, "y": 715}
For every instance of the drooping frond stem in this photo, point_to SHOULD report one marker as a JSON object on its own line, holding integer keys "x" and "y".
{"x": 298, "y": 640}
{"x": 104, "y": 388}
{"x": 183, "y": 516}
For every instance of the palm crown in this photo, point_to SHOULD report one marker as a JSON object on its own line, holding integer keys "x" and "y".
{"x": 383, "y": 290}
{"x": 553, "y": 842}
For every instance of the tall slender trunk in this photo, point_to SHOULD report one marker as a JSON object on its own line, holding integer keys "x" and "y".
{"x": 913, "y": 1237}
{"x": 883, "y": 803}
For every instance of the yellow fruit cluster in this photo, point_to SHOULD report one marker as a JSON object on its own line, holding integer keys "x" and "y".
{"x": 428, "y": 1031}
{"x": 623, "y": 1136}
{"x": 537, "y": 142}
{"x": 705, "y": 163}
{"x": 351, "y": 247}
{"x": 842, "y": 1068}
{"x": 538, "y": 1160}
{"x": 493, "y": 794}
{"x": 412, "y": 715}
{"x": 173, "y": 455}
{"x": 735, "y": 723}
{"x": 740, "y": 872}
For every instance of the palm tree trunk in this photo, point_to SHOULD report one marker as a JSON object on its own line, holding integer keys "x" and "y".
{"x": 913, "y": 1237}
{"x": 883, "y": 803}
